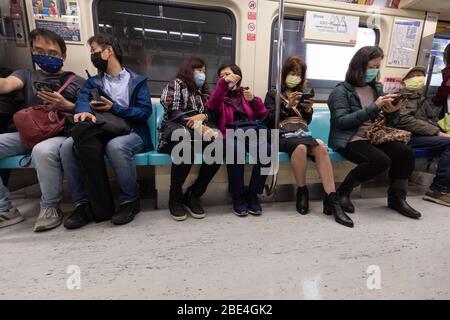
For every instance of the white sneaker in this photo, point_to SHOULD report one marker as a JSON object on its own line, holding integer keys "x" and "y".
{"x": 10, "y": 217}
{"x": 49, "y": 218}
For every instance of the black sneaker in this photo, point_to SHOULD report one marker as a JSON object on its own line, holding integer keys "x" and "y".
{"x": 126, "y": 212}
{"x": 177, "y": 210}
{"x": 240, "y": 206}
{"x": 79, "y": 218}
{"x": 192, "y": 204}
{"x": 254, "y": 206}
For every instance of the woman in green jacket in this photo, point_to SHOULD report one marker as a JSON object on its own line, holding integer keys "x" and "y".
{"x": 354, "y": 104}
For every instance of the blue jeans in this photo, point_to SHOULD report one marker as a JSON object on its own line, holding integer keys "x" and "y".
{"x": 236, "y": 171}
{"x": 120, "y": 152}
{"x": 441, "y": 147}
{"x": 46, "y": 159}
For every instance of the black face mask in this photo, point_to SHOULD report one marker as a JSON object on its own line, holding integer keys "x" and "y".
{"x": 98, "y": 62}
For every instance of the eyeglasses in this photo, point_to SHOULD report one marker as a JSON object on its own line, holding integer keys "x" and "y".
{"x": 50, "y": 53}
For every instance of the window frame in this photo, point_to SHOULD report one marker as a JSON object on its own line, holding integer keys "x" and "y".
{"x": 201, "y": 7}
{"x": 314, "y": 83}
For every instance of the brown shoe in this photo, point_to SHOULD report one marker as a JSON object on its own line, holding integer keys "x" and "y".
{"x": 437, "y": 197}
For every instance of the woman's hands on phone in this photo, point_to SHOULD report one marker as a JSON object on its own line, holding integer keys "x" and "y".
{"x": 385, "y": 103}
{"x": 56, "y": 101}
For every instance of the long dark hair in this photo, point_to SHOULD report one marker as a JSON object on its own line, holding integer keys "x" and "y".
{"x": 233, "y": 67}
{"x": 294, "y": 63}
{"x": 447, "y": 55}
{"x": 186, "y": 73}
{"x": 357, "y": 69}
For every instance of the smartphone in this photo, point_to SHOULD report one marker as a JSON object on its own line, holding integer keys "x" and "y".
{"x": 308, "y": 95}
{"x": 45, "y": 86}
{"x": 96, "y": 101}
{"x": 401, "y": 97}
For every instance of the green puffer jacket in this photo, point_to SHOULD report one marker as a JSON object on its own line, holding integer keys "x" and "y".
{"x": 347, "y": 114}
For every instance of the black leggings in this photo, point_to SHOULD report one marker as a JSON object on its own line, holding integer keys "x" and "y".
{"x": 373, "y": 160}
{"x": 179, "y": 173}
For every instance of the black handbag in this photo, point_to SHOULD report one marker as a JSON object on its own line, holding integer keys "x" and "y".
{"x": 168, "y": 126}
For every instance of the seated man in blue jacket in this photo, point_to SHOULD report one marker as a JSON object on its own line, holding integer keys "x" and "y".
{"x": 126, "y": 95}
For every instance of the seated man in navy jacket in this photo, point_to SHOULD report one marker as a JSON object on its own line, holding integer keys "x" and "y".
{"x": 126, "y": 95}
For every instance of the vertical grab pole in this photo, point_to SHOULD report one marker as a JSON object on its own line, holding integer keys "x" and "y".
{"x": 278, "y": 81}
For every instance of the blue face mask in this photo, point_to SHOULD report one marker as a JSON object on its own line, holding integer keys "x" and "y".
{"x": 48, "y": 63}
{"x": 200, "y": 78}
{"x": 371, "y": 74}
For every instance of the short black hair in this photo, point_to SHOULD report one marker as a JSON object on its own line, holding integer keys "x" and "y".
{"x": 357, "y": 69}
{"x": 233, "y": 67}
{"x": 49, "y": 36}
{"x": 104, "y": 40}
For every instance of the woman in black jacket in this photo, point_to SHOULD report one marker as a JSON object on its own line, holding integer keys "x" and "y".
{"x": 354, "y": 104}
{"x": 295, "y": 115}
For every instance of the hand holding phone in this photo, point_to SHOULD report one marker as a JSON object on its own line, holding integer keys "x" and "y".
{"x": 96, "y": 101}
{"x": 45, "y": 86}
{"x": 309, "y": 95}
{"x": 401, "y": 97}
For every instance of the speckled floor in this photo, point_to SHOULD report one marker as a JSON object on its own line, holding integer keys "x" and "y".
{"x": 280, "y": 255}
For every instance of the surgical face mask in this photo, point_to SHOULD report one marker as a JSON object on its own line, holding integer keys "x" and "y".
{"x": 371, "y": 75}
{"x": 293, "y": 81}
{"x": 49, "y": 64}
{"x": 98, "y": 61}
{"x": 199, "y": 78}
{"x": 415, "y": 83}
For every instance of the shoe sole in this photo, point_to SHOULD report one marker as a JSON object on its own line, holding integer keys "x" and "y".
{"x": 182, "y": 218}
{"x": 255, "y": 213}
{"x": 75, "y": 228}
{"x": 434, "y": 200}
{"x": 240, "y": 215}
{"x": 46, "y": 228}
{"x": 194, "y": 215}
{"x": 12, "y": 222}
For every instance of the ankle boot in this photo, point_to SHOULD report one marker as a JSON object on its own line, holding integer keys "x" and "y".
{"x": 332, "y": 206}
{"x": 344, "y": 191}
{"x": 302, "y": 204}
{"x": 397, "y": 199}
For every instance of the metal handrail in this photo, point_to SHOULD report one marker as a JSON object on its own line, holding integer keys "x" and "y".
{"x": 273, "y": 185}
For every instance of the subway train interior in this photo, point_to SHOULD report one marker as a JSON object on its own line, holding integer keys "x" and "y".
{"x": 387, "y": 249}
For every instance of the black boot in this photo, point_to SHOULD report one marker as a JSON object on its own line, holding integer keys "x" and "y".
{"x": 331, "y": 206}
{"x": 79, "y": 218}
{"x": 302, "y": 204}
{"x": 176, "y": 205}
{"x": 126, "y": 212}
{"x": 193, "y": 205}
{"x": 397, "y": 199}
{"x": 344, "y": 191}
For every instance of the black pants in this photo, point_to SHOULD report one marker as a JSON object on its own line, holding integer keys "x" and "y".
{"x": 179, "y": 173}
{"x": 89, "y": 150}
{"x": 5, "y": 121}
{"x": 373, "y": 160}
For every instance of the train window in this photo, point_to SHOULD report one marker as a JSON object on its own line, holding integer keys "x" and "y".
{"x": 441, "y": 40}
{"x": 156, "y": 37}
{"x": 327, "y": 64}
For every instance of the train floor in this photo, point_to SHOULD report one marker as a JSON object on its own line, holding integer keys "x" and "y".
{"x": 280, "y": 255}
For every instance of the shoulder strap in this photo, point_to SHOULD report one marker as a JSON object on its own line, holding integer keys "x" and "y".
{"x": 67, "y": 83}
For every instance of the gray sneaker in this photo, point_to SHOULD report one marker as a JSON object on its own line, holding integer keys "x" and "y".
{"x": 49, "y": 218}
{"x": 10, "y": 217}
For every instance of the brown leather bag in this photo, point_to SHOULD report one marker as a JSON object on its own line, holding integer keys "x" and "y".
{"x": 379, "y": 132}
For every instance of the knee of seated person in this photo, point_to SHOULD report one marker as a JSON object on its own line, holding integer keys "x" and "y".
{"x": 42, "y": 152}
{"x": 115, "y": 147}
{"x": 382, "y": 163}
{"x": 300, "y": 149}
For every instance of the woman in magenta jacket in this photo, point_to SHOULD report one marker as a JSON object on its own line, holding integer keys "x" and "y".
{"x": 237, "y": 108}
